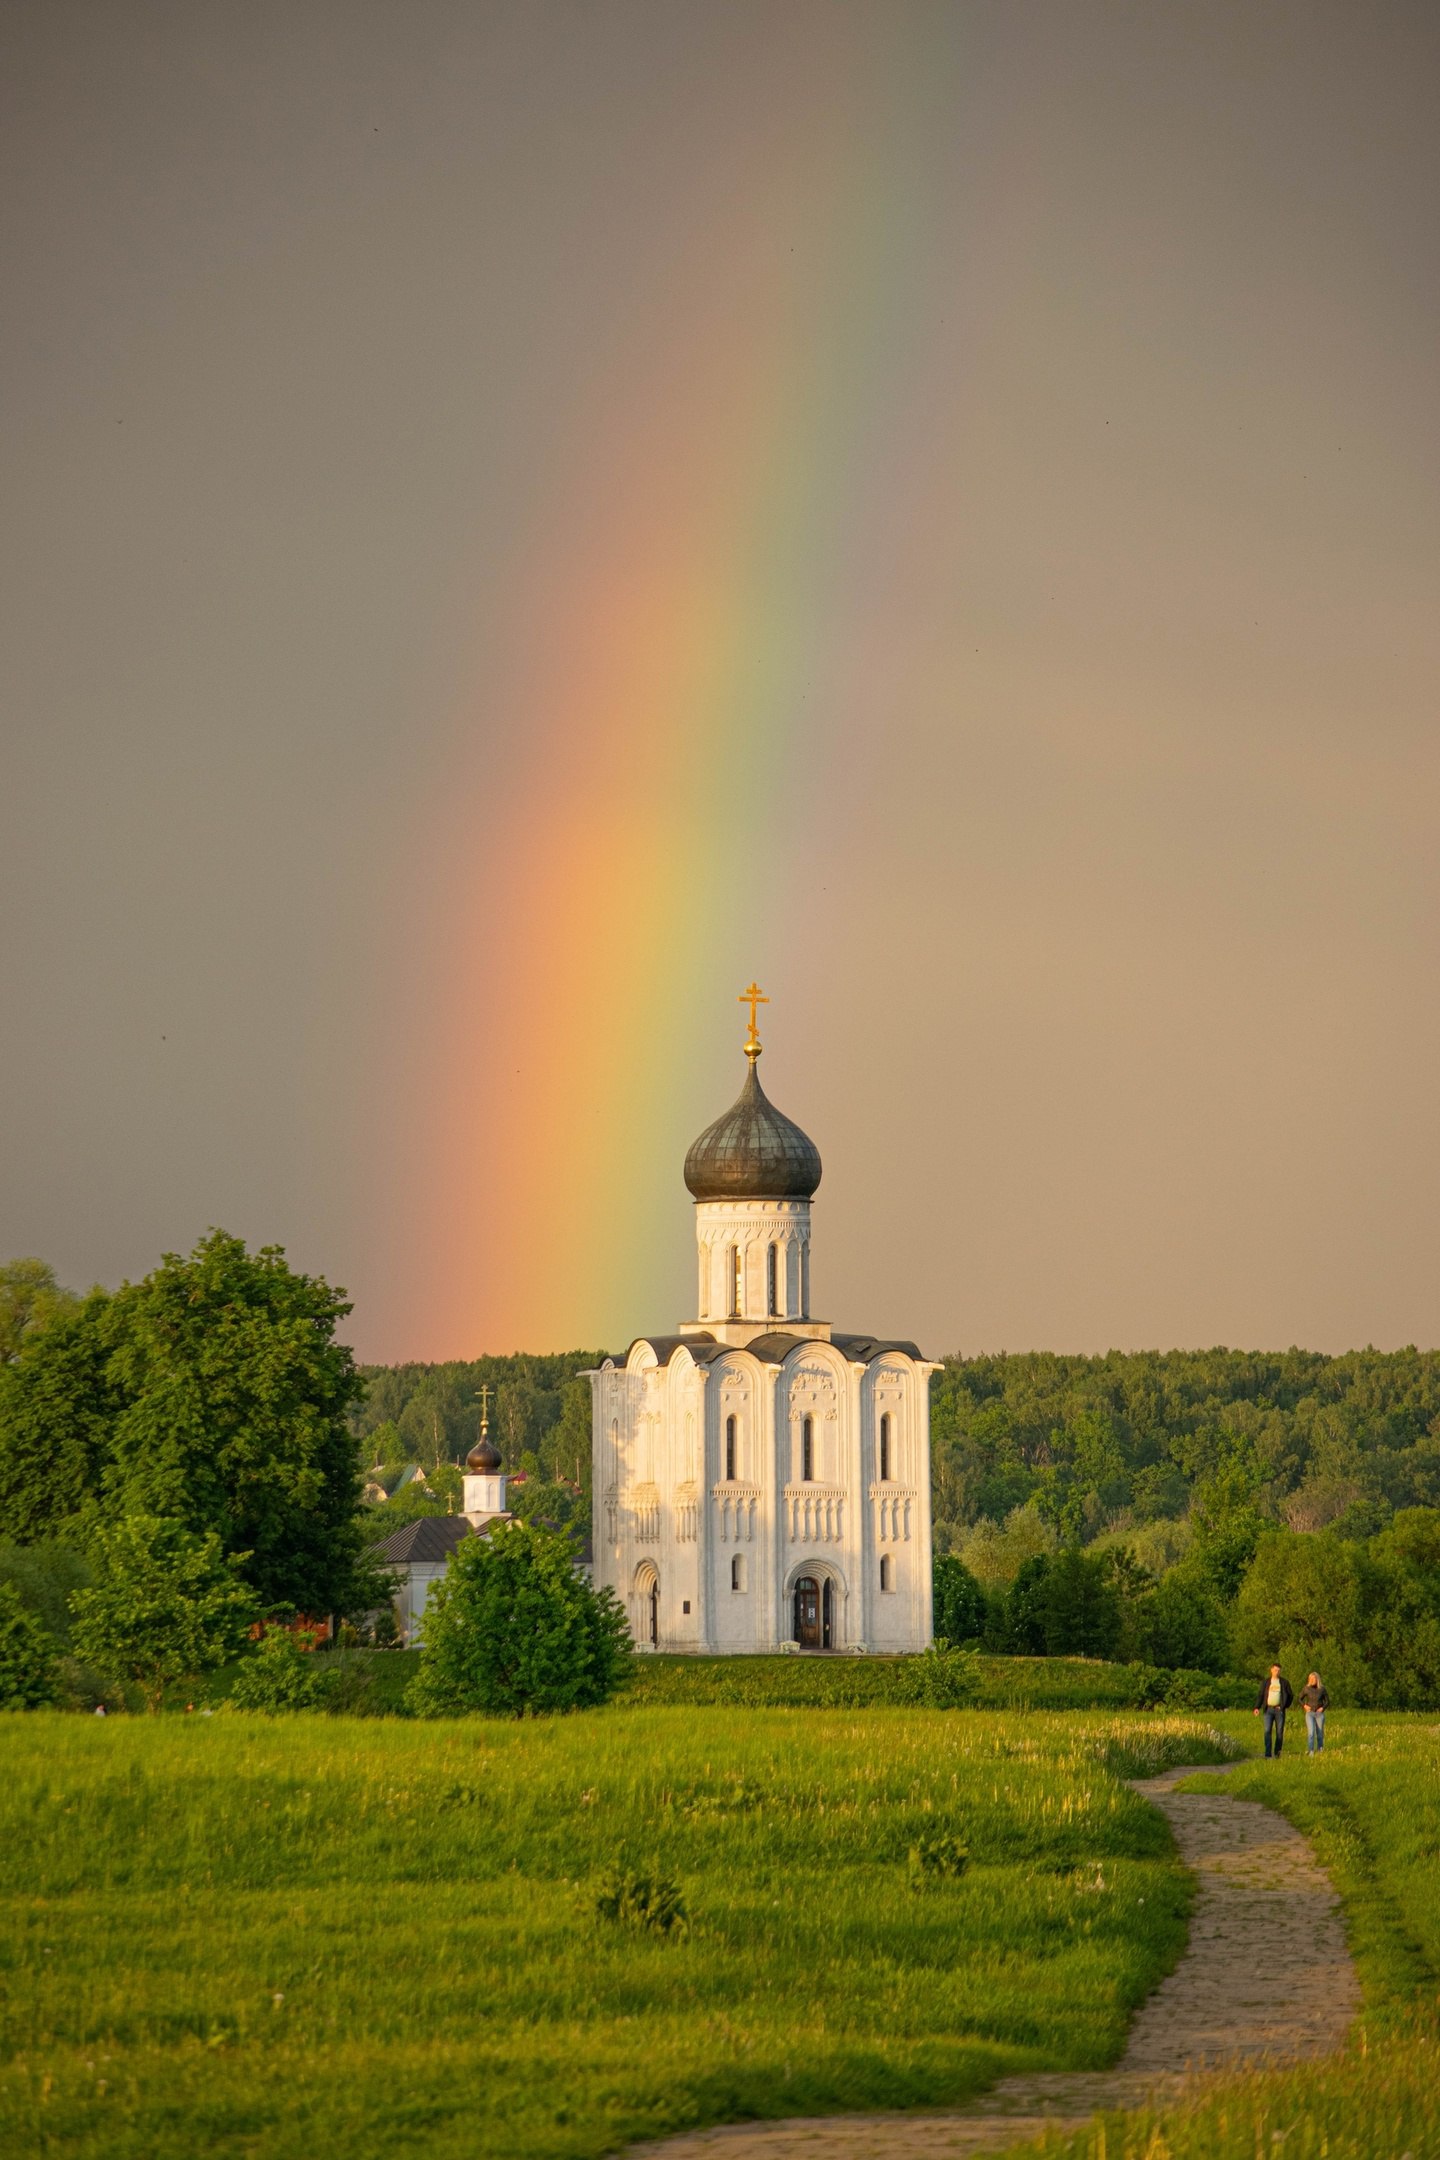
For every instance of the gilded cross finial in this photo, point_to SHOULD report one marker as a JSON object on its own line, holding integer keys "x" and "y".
{"x": 484, "y": 1410}
{"x": 753, "y": 997}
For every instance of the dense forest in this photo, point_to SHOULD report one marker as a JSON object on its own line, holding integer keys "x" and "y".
{"x": 1133, "y": 1444}
{"x": 1185, "y": 1509}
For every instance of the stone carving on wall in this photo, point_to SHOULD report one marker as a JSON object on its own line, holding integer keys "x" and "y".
{"x": 893, "y": 1509}
{"x": 736, "y": 1507}
{"x": 814, "y": 1516}
{"x": 645, "y": 1515}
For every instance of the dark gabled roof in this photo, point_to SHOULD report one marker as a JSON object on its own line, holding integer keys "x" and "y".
{"x": 753, "y": 1152}
{"x": 431, "y": 1537}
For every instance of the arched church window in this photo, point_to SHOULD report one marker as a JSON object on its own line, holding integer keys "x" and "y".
{"x": 772, "y": 1282}
{"x": 885, "y": 1448}
{"x": 807, "y": 1447}
{"x": 730, "y": 1447}
{"x": 887, "y": 1572}
{"x": 737, "y": 1282}
{"x": 737, "y": 1572}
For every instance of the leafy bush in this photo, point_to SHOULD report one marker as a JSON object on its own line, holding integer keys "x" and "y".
{"x": 29, "y": 1673}
{"x": 164, "y": 1604}
{"x": 514, "y": 1629}
{"x": 935, "y": 1860}
{"x": 649, "y": 1902}
{"x": 281, "y": 1675}
{"x": 944, "y": 1677}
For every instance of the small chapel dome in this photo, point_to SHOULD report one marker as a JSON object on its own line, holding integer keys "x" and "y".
{"x": 753, "y": 1152}
{"x": 484, "y": 1457}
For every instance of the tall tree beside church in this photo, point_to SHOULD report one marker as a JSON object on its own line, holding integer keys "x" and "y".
{"x": 213, "y": 1394}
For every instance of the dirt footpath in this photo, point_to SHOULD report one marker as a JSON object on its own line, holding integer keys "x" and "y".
{"x": 1266, "y": 1975}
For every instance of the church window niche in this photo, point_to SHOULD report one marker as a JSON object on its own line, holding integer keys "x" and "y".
{"x": 807, "y": 1449}
{"x": 737, "y": 1283}
{"x": 887, "y": 1572}
{"x": 730, "y": 1449}
{"x": 885, "y": 1448}
{"x": 737, "y": 1572}
{"x": 772, "y": 1282}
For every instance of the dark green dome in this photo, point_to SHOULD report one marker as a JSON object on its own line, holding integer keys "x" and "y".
{"x": 753, "y": 1152}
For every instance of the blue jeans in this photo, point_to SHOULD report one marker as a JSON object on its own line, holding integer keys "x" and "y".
{"x": 1274, "y": 1723}
{"x": 1314, "y": 1731}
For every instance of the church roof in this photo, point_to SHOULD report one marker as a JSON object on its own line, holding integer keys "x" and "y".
{"x": 753, "y": 1152}
{"x": 771, "y": 1349}
{"x": 431, "y": 1537}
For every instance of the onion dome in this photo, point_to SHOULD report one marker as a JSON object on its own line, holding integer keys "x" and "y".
{"x": 753, "y": 1152}
{"x": 484, "y": 1457}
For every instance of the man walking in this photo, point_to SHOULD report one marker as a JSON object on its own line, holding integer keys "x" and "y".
{"x": 1274, "y": 1699}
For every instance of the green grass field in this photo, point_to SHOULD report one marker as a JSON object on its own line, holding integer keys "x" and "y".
{"x": 319, "y": 1936}
{"x": 1371, "y": 1803}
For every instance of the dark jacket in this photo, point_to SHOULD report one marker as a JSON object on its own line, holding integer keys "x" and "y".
{"x": 1315, "y": 1698}
{"x": 1287, "y": 1694}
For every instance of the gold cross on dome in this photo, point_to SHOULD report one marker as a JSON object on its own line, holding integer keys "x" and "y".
{"x": 485, "y": 1409}
{"x": 753, "y": 997}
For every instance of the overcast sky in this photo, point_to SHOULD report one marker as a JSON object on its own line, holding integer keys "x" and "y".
{"x": 1017, "y": 423}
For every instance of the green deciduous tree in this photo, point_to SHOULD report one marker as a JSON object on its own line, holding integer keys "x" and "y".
{"x": 1079, "y": 1606}
{"x": 164, "y": 1604}
{"x": 45, "y": 1576}
{"x": 57, "y": 1416}
{"x": 29, "y": 1674}
{"x": 514, "y": 1629}
{"x": 1186, "y": 1624}
{"x": 214, "y": 1392}
{"x": 30, "y": 1298}
{"x": 960, "y": 1610}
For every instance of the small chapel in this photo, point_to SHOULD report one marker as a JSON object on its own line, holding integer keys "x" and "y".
{"x": 761, "y": 1481}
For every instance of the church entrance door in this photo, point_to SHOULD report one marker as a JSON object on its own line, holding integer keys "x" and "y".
{"x": 654, "y": 1603}
{"x": 808, "y": 1622}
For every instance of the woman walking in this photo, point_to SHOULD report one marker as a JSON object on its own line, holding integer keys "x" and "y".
{"x": 1315, "y": 1701}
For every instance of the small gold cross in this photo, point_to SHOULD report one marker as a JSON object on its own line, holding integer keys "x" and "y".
{"x": 752, "y": 997}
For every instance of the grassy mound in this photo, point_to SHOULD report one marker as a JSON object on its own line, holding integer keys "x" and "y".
{"x": 233, "y": 1935}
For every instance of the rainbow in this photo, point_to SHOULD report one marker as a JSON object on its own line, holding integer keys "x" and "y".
{"x": 680, "y": 619}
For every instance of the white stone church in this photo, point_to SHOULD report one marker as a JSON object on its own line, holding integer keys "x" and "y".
{"x": 760, "y": 1480}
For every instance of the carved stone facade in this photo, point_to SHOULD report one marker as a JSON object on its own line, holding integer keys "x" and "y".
{"x": 759, "y": 1479}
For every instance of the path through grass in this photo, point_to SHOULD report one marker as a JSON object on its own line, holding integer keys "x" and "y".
{"x": 1371, "y": 1805}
